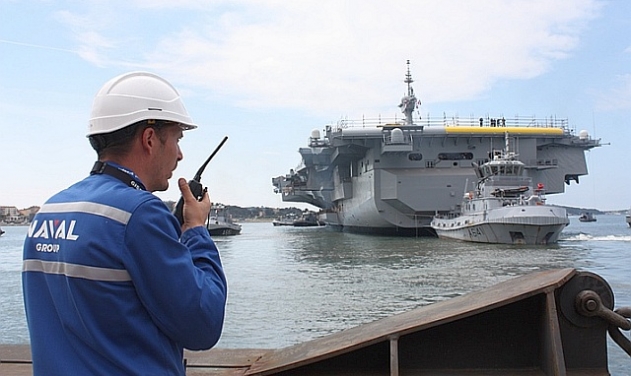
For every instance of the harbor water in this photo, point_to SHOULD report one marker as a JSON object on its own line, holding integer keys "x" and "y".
{"x": 289, "y": 284}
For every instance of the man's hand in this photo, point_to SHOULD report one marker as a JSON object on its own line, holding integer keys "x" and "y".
{"x": 195, "y": 212}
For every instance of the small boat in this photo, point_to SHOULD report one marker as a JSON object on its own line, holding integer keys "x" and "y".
{"x": 587, "y": 217}
{"x": 628, "y": 217}
{"x": 308, "y": 219}
{"x": 220, "y": 223}
{"x": 503, "y": 208}
{"x": 285, "y": 220}
{"x": 1, "y": 231}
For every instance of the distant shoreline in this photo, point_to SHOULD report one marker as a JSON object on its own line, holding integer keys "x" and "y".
{"x": 571, "y": 212}
{"x": 250, "y": 220}
{"x": 268, "y": 220}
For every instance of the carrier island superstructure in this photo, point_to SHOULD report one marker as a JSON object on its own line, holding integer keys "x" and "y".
{"x": 392, "y": 176}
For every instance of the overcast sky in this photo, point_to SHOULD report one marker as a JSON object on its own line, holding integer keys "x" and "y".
{"x": 266, "y": 73}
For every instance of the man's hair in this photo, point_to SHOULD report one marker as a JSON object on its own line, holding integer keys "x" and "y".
{"x": 119, "y": 142}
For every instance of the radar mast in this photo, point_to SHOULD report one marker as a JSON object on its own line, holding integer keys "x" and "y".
{"x": 409, "y": 102}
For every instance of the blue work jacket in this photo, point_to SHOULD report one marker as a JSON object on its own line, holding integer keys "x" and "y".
{"x": 112, "y": 286}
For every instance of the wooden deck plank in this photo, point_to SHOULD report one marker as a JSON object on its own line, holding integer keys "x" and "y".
{"x": 16, "y": 360}
{"x": 16, "y": 369}
{"x": 223, "y": 358}
{"x": 15, "y": 353}
{"x": 204, "y": 371}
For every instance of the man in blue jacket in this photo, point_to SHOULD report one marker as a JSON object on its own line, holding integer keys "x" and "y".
{"x": 113, "y": 284}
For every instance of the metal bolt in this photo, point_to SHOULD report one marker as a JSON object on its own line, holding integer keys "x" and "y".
{"x": 591, "y": 305}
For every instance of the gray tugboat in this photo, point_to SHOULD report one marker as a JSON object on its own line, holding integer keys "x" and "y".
{"x": 220, "y": 223}
{"x": 308, "y": 219}
{"x": 504, "y": 207}
{"x": 392, "y": 176}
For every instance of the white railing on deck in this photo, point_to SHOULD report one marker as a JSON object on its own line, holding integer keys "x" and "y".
{"x": 517, "y": 121}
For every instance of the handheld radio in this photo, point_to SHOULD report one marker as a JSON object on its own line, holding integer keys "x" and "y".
{"x": 195, "y": 185}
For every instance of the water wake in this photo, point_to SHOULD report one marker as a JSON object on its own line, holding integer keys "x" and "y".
{"x": 606, "y": 238}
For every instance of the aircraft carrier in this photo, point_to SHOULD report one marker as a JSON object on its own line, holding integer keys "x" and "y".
{"x": 391, "y": 177}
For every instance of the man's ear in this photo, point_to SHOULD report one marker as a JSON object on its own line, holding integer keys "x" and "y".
{"x": 148, "y": 138}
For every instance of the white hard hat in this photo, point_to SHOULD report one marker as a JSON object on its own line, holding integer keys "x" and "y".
{"x": 133, "y": 97}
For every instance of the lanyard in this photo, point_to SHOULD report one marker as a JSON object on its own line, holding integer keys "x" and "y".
{"x": 118, "y": 173}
